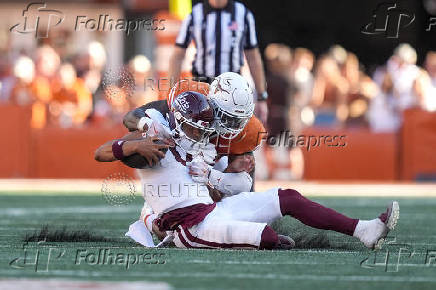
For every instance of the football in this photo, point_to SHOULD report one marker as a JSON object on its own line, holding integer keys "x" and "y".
{"x": 136, "y": 160}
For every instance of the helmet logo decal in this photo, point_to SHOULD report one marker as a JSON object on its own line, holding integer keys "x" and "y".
{"x": 240, "y": 98}
{"x": 183, "y": 104}
{"x": 220, "y": 88}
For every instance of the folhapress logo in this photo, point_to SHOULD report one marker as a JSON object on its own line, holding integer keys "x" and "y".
{"x": 388, "y": 20}
{"x": 38, "y": 19}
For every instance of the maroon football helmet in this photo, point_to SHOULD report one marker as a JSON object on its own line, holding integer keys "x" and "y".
{"x": 191, "y": 119}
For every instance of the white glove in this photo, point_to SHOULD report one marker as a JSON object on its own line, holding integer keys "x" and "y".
{"x": 209, "y": 153}
{"x": 158, "y": 130}
{"x": 199, "y": 170}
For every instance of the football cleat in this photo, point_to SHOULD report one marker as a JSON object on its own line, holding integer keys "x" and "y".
{"x": 392, "y": 216}
{"x": 286, "y": 243}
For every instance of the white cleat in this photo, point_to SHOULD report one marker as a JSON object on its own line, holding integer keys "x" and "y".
{"x": 393, "y": 214}
{"x": 373, "y": 233}
{"x": 286, "y": 243}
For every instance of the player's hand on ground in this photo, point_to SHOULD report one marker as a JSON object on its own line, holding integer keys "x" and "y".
{"x": 150, "y": 149}
{"x": 199, "y": 170}
{"x": 241, "y": 163}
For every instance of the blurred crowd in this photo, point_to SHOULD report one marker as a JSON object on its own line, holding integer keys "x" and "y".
{"x": 332, "y": 90}
{"x": 335, "y": 91}
{"x": 73, "y": 91}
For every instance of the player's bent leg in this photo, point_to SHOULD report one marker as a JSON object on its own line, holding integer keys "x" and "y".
{"x": 220, "y": 234}
{"x": 313, "y": 214}
{"x": 372, "y": 233}
{"x": 232, "y": 234}
{"x": 259, "y": 207}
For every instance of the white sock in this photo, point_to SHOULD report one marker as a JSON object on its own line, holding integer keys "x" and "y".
{"x": 360, "y": 228}
{"x": 368, "y": 232}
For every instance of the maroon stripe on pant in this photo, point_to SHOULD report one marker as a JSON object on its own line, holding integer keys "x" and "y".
{"x": 193, "y": 239}
{"x": 313, "y": 214}
{"x": 185, "y": 243}
{"x": 182, "y": 239}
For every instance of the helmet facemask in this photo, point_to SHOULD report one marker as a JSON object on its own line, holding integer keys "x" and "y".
{"x": 189, "y": 135}
{"x": 228, "y": 125}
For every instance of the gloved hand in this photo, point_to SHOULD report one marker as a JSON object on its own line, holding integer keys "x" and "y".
{"x": 199, "y": 170}
{"x": 158, "y": 130}
{"x": 209, "y": 153}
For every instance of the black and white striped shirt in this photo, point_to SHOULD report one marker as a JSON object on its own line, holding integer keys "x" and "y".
{"x": 220, "y": 36}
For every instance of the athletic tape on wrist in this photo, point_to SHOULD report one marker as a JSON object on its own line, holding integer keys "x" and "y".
{"x": 117, "y": 149}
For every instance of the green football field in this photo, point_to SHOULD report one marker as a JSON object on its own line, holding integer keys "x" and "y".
{"x": 325, "y": 260}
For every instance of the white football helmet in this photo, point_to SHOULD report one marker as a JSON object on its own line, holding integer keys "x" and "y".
{"x": 231, "y": 98}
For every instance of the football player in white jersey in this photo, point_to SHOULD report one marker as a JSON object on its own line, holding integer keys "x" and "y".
{"x": 238, "y": 221}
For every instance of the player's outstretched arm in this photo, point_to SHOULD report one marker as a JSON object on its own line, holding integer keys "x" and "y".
{"x": 132, "y": 120}
{"x": 105, "y": 154}
{"x": 130, "y": 144}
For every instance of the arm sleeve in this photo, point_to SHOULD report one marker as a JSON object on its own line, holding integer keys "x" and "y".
{"x": 185, "y": 33}
{"x": 230, "y": 183}
{"x": 250, "y": 31}
{"x": 160, "y": 106}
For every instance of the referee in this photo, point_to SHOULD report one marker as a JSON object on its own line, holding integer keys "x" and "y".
{"x": 222, "y": 31}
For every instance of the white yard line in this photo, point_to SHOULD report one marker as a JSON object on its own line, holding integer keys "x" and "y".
{"x": 33, "y": 284}
{"x": 103, "y": 209}
{"x": 93, "y": 186}
{"x": 255, "y": 276}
